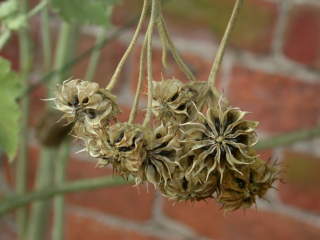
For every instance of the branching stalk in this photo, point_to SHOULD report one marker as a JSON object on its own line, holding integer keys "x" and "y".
{"x": 133, "y": 42}
{"x": 222, "y": 46}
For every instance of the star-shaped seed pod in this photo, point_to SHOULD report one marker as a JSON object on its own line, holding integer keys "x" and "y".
{"x": 125, "y": 149}
{"x": 172, "y": 100}
{"x": 86, "y": 103}
{"x": 162, "y": 152}
{"x": 194, "y": 187}
{"x": 222, "y": 139}
{"x": 241, "y": 190}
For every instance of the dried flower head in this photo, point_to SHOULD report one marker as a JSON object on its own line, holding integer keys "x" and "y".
{"x": 162, "y": 151}
{"x": 85, "y": 102}
{"x": 125, "y": 149}
{"x": 222, "y": 139}
{"x": 241, "y": 190}
{"x": 172, "y": 100}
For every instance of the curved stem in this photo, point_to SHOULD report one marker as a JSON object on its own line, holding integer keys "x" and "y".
{"x": 133, "y": 42}
{"x": 135, "y": 104}
{"x": 163, "y": 30}
{"x": 222, "y": 46}
{"x": 148, "y": 36}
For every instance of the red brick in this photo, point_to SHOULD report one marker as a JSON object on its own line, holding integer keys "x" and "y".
{"x": 200, "y": 66}
{"x": 11, "y": 52}
{"x": 125, "y": 201}
{"x": 302, "y": 181}
{"x": 279, "y": 103}
{"x": 6, "y": 232}
{"x": 302, "y": 42}
{"x": 109, "y": 58}
{"x": 207, "y": 219}
{"x": 87, "y": 228}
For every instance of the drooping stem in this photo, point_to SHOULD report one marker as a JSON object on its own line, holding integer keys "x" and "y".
{"x": 222, "y": 46}
{"x": 163, "y": 31}
{"x": 148, "y": 36}
{"x": 21, "y": 167}
{"x": 18, "y": 201}
{"x": 133, "y": 42}
{"x": 135, "y": 104}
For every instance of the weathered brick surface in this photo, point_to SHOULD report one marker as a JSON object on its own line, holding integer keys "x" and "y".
{"x": 207, "y": 219}
{"x": 301, "y": 181}
{"x": 302, "y": 42}
{"x": 279, "y": 103}
{"x": 88, "y": 228}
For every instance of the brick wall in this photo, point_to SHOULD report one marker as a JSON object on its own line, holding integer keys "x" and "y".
{"x": 272, "y": 69}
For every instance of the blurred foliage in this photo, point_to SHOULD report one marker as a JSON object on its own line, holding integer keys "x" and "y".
{"x": 11, "y": 88}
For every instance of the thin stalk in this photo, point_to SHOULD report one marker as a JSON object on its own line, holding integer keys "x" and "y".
{"x": 94, "y": 59}
{"x": 39, "y": 211}
{"x": 148, "y": 36}
{"x": 163, "y": 30}
{"x": 59, "y": 180}
{"x": 133, "y": 42}
{"x": 46, "y": 38}
{"x": 135, "y": 104}
{"x": 222, "y": 46}
{"x": 21, "y": 167}
{"x": 18, "y": 201}
{"x": 42, "y": 5}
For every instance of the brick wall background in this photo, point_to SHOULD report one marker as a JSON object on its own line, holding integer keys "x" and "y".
{"x": 272, "y": 69}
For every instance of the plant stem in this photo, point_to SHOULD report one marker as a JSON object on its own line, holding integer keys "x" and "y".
{"x": 133, "y": 42}
{"x": 60, "y": 166}
{"x": 46, "y": 38}
{"x": 163, "y": 31}
{"x": 39, "y": 211}
{"x": 222, "y": 46}
{"x": 94, "y": 59}
{"x": 135, "y": 104}
{"x": 21, "y": 167}
{"x": 148, "y": 36}
{"x": 288, "y": 138}
{"x": 18, "y": 201}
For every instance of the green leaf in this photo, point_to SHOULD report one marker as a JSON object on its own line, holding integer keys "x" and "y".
{"x": 4, "y": 37}
{"x": 8, "y": 7}
{"x": 10, "y": 89}
{"x": 84, "y": 11}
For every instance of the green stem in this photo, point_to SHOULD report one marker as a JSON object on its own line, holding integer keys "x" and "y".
{"x": 39, "y": 211}
{"x": 46, "y": 38}
{"x": 43, "y": 4}
{"x": 94, "y": 59}
{"x": 60, "y": 166}
{"x": 18, "y": 201}
{"x": 148, "y": 36}
{"x": 288, "y": 138}
{"x": 21, "y": 167}
{"x": 133, "y": 42}
{"x": 223, "y": 44}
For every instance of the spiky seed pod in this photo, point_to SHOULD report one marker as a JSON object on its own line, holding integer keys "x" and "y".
{"x": 86, "y": 103}
{"x": 222, "y": 139}
{"x": 162, "y": 151}
{"x": 125, "y": 149}
{"x": 185, "y": 186}
{"x": 241, "y": 190}
{"x": 172, "y": 100}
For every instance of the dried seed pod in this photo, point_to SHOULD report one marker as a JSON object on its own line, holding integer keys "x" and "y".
{"x": 185, "y": 186}
{"x": 172, "y": 99}
{"x": 85, "y": 102}
{"x": 241, "y": 190}
{"x": 222, "y": 139}
{"x": 125, "y": 149}
{"x": 161, "y": 156}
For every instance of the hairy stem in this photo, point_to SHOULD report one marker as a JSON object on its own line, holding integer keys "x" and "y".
{"x": 18, "y": 201}
{"x": 222, "y": 46}
{"x": 135, "y": 104}
{"x": 133, "y": 42}
{"x": 148, "y": 36}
